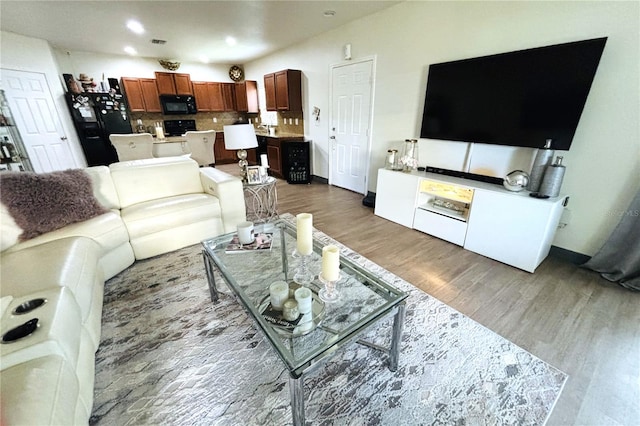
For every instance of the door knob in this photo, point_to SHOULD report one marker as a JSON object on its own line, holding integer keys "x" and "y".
{"x": 332, "y": 137}
{"x": 63, "y": 138}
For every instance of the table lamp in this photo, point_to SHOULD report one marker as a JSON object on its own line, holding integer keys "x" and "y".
{"x": 240, "y": 137}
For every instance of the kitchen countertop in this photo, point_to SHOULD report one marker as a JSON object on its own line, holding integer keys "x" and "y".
{"x": 279, "y": 135}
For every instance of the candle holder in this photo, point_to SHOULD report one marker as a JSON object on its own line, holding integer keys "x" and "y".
{"x": 328, "y": 294}
{"x": 303, "y": 275}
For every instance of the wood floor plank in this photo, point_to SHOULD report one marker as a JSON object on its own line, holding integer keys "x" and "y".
{"x": 565, "y": 315}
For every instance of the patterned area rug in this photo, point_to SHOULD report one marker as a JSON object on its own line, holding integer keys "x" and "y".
{"x": 169, "y": 356}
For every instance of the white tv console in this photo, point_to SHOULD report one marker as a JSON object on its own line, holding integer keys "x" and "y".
{"x": 507, "y": 226}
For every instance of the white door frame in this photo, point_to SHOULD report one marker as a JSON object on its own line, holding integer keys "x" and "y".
{"x": 332, "y": 67}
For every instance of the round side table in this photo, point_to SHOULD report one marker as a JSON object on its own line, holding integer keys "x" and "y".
{"x": 261, "y": 200}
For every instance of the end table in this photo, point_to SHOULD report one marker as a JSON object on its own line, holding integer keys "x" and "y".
{"x": 261, "y": 200}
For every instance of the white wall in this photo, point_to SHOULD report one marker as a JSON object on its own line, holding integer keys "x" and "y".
{"x": 116, "y": 66}
{"x": 603, "y": 166}
{"x": 34, "y": 55}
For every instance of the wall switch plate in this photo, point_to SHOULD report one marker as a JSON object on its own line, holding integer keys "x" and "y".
{"x": 215, "y": 119}
{"x": 296, "y": 120}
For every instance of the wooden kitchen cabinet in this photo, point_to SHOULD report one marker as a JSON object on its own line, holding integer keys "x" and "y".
{"x": 247, "y": 96}
{"x": 270, "y": 92}
{"x": 229, "y": 96}
{"x": 283, "y": 90}
{"x": 142, "y": 94}
{"x": 201, "y": 93}
{"x": 170, "y": 83}
{"x": 209, "y": 96}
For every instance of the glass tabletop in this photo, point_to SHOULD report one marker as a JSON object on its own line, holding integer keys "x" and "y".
{"x": 364, "y": 296}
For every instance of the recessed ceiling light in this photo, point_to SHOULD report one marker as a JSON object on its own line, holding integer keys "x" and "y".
{"x": 130, "y": 50}
{"x": 329, "y": 13}
{"x": 135, "y": 26}
{"x": 231, "y": 41}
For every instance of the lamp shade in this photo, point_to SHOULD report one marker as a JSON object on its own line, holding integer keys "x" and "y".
{"x": 239, "y": 136}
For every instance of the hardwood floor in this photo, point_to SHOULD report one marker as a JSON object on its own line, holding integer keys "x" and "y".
{"x": 568, "y": 316}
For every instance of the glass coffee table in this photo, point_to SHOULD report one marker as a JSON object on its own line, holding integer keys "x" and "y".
{"x": 365, "y": 299}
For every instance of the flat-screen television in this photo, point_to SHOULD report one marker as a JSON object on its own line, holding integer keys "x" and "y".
{"x": 518, "y": 98}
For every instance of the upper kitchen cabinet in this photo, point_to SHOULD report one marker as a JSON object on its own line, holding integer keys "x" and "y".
{"x": 283, "y": 90}
{"x": 247, "y": 96}
{"x": 229, "y": 96}
{"x": 171, "y": 83}
{"x": 209, "y": 96}
{"x": 142, "y": 94}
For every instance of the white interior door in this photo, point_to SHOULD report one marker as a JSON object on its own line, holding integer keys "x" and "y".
{"x": 349, "y": 140}
{"x": 37, "y": 120}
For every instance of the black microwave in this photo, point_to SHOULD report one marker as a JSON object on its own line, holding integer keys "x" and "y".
{"x": 174, "y": 105}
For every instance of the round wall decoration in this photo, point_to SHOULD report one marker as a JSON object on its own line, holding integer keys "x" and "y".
{"x": 236, "y": 73}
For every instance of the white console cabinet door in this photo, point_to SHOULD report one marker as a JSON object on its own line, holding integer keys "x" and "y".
{"x": 396, "y": 194}
{"x": 512, "y": 228}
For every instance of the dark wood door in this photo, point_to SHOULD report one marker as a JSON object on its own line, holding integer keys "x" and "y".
{"x": 270, "y": 92}
{"x": 229, "y": 96}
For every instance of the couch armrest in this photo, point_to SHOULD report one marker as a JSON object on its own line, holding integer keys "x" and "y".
{"x": 229, "y": 191}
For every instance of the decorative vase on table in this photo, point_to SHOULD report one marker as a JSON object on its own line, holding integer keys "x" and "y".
{"x": 409, "y": 159}
{"x": 543, "y": 159}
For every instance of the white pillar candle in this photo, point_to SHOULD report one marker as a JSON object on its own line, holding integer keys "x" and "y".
{"x": 278, "y": 294}
{"x": 330, "y": 263}
{"x": 304, "y": 298}
{"x": 304, "y": 224}
{"x": 263, "y": 160}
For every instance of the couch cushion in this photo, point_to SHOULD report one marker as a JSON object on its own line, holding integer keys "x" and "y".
{"x": 43, "y": 391}
{"x": 167, "y": 213}
{"x": 42, "y": 202}
{"x": 103, "y": 188}
{"x": 139, "y": 181}
{"x": 107, "y": 230}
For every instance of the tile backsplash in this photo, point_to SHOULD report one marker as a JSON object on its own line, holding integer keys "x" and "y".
{"x": 286, "y": 121}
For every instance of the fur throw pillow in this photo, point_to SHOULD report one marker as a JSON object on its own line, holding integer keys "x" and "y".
{"x": 42, "y": 202}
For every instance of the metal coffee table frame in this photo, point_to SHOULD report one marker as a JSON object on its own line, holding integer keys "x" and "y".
{"x": 374, "y": 298}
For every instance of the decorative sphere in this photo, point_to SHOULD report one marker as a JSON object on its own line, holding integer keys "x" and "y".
{"x": 516, "y": 180}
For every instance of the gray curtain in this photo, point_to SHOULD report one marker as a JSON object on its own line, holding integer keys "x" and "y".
{"x": 619, "y": 258}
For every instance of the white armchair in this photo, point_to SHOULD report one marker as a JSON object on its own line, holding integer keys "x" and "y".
{"x": 133, "y": 146}
{"x": 201, "y": 145}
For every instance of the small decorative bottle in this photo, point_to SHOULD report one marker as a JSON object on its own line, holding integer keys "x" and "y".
{"x": 409, "y": 158}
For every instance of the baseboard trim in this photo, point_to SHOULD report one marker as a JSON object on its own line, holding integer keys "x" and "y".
{"x": 319, "y": 179}
{"x": 568, "y": 255}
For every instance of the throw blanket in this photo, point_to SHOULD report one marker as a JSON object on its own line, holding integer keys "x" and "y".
{"x": 42, "y": 202}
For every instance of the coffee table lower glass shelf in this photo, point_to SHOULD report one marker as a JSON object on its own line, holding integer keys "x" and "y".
{"x": 365, "y": 299}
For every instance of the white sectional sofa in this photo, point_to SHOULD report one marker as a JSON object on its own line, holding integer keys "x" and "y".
{"x": 57, "y": 278}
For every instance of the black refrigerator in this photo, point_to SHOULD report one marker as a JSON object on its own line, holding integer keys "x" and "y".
{"x": 95, "y": 117}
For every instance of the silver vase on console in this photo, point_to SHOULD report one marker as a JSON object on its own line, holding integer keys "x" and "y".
{"x": 552, "y": 181}
{"x": 540, "y": 164}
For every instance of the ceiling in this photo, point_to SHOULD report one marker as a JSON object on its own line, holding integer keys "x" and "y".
{"x": 193, "y": 30}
